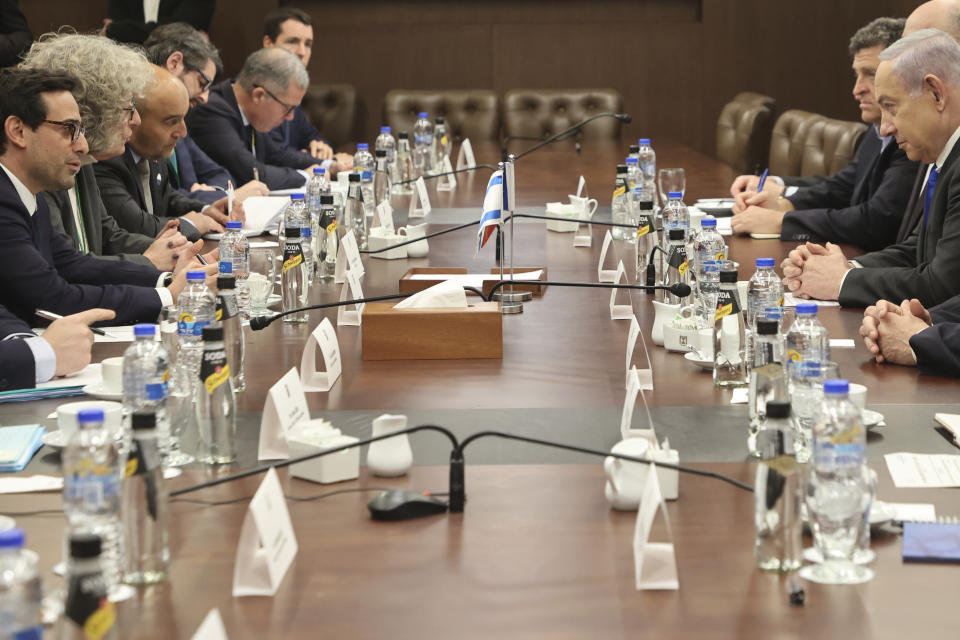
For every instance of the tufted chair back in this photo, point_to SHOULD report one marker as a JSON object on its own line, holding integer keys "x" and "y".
{"x": 743, "y": 132}
{"x": 829, "y": 146}
{"x": 331, "y": 108}
{"x": 539, "y": 113}
{"x": 470, "y": 113}
{"x": 788, "y": 139}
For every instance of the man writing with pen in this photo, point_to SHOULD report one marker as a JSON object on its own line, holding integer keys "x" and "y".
{"x": 864, "y": 203}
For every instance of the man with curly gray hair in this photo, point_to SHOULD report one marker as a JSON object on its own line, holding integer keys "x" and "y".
{"x": 109, "y": 77}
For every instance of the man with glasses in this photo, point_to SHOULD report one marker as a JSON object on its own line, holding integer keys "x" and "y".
{"x": 42, "y": 147}
{"x": 233, "y": 126}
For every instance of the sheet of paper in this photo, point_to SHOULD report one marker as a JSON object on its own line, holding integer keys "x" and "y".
{"x": 262, "y": 244}
{"x": 478, "y": 277}
{"x": 262, "y": 213}
{"x": 655, "y": 563}
{"x": 323, "y": 337}
{"x": 950, "y": 422}
{"x": 88, "y": 375}
{"x": 790, "y": 300}
{"x": 912, "y": 512}
{"x": 724, "y": 227}
{"x": 842, "y": 343}
{"x": 286, "y": 405}
{"x": 30, "y": 484}
{"x": 916, "y": 470}
{"x": 267, "y": 544}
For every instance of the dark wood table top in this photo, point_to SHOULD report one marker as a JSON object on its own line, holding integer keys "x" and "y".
{"x": 538, "y": 552}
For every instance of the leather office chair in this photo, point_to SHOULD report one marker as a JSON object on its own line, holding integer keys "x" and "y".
{"x": 469, "y": 113}
{"x": 788, "y": 140}
{"x": 331, "y": 108}
{"x": 829, "y": 146}
{"x": 743, "y": 132}
{"x": 540, "y": 113}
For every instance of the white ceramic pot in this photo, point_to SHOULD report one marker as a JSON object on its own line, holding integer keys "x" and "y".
{"x": 390, "y": 457}
{"x": 626, "y": 480}
{"x": 663, "y": 313}
{"x": 417, "y": 249}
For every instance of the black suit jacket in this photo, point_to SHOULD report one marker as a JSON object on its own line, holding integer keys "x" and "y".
{"x": 862, "y": 204}
{"x": 105, "y": 238}
{"x": 14, "y": 34}
{"x": 41, "y": 270}
{"x": 122, "y": 193}
{"x": 18, "y": 369}
{"x": 925, "y": 265}
{"x": 217, "y": 127}
{"x": 129, "y": 24}
{"x": 938, "y": 347}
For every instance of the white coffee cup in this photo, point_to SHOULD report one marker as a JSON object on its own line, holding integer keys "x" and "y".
{"x": 67, "y": 415}
{"x": 586, "y": 207}
{"x": 626, "y": 480}
{"x": 858, "y": 395}
{"x": 111, "y": 370}
{"x": 417, "y": 249}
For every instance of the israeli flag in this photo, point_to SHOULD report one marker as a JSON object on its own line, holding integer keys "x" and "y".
{"x": 492, "y": 208}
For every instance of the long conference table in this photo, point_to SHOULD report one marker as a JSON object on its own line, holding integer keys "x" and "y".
{"x": 538, "y": 552}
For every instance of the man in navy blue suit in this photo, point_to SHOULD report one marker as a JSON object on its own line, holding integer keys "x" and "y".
{"x": 911, "y": 335}
{"x": 41, "y": 149}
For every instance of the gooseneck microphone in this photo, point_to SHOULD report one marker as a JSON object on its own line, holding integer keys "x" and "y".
{"x": 450, "y": 173}
{"x": 622, "y": 117}
{"x": 679, "y": 289}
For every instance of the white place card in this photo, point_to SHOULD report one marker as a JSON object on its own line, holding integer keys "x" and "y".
{"x": 605, "y": 275}
{"x": 580, "y": 186}
{"x": 634, "y": 386}
{"x": 346, "y": 315}
{"x": 267, "y": 543}
{"x": 645, "y": 376}
{"x": 447, "y": 182}
{"x": 385, "y": 217}
{"x": 583, "y": 236}
{"x": 655, "y": 563}
{"x": 465, "y": 159}
{"x": 340, "y": 268}
{"x": 419, "y": 200}
{"x": 211, "y": 628}
{"x": 620, "y": 310}
{"x": 286, "y": 406}
{"x": 323, "y": 337}
{"x": 352, "y": 252}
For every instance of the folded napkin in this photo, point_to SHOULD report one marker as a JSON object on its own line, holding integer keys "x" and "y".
{"x": 446, "y": 295}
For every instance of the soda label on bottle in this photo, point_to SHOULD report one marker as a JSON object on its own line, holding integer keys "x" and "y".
{"x": 214, "y": 370}
{"x": 644, "y": 224}
{"x": 292, "y": 256}
{"x": 678, "y": 258}
{"x": 727, "y": 304}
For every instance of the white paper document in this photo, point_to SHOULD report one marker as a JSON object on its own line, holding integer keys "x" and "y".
{"x": 286, "y": 406}
{"x": 790, "y": 300}
{"x": 30, "y": 484}
{"x": 655, "y": 563}
{"x": 323, "y": 337}
{"x": 267, "y": 543}
{"x": 262, "y": 214}
{"x": 88, "y": 375}
{"x": 917, "y": 470}
{"x": 912, "y": 512}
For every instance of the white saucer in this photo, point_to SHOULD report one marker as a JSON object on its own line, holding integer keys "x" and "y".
{"x": 871, "y": 418}
{"x": 97, "y": 391}
{"x": 691, "y": 357}
{"x": 54, "y": 439}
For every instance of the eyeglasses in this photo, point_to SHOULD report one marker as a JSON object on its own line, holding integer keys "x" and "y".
{"x": 131, "y": 109}
{"x": 288, "y": 107}
{"x": 207, "y": 82}
{"x": 75, "y": 128}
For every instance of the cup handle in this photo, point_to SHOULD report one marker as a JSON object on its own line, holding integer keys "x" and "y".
{"x": 402, "y": 231}
{"x": 592, "y": 205}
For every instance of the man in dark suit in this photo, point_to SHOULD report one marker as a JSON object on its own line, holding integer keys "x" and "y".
{"x": 920, "y": 97}
{"x": 41, "y": 148}
{"x": 233, "y": 127}
{"x": 127, "y": 20}
{"x": 911, "y": 335}
{"x": 136, "y": 186}
{"x": 863, "y": 203}
{"x": 27, "y": 359}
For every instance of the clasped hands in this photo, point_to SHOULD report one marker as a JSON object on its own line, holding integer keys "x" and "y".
{"x": 815, "y": 271}
{"x": 886, "y": 330}
{"x": 757, "y": 212}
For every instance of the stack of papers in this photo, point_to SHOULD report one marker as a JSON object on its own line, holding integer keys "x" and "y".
{"x": 18, "y": 444}
{"x": 71, "y": 385}
{"x": 262, "y": 213}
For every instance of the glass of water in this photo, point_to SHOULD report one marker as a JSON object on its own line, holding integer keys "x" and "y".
{"x": 671, "y": 180}
{"x": 260, "y": 282}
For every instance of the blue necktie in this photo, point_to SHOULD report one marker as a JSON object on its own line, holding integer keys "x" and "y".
{"x": 931, "y": 184}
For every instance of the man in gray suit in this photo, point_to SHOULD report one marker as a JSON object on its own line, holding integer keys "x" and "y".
{"x": 918, "y": 87}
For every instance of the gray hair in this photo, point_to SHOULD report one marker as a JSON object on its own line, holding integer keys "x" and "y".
{"x": 107, "y": 75}
{"x": 881, "y": 32}
{"x": 924, "y": 52}
{"x": 273, "y": 68}
{"x": 180, "y": 36}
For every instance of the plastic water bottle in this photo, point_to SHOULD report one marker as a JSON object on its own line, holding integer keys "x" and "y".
{"x": 767, "y": 381}
{"x": 195, "y": 308}
{"x": 293, "y": 287}
{"x": 729, "y": 331}
{"x": 228, "y": 315}
{"x": 709, "y": 244}
{"x": 778, "y": 494}
{"x": 620, "y": 205}
{"x": 21, "y": 591}
{"x": 381, "y": 178}
{"x": 678, "y": 269}
{"x": 363, "y": 163}
{"x": 354, "y": 216}
{"x": 422, "y": 145}
{"x": 315, "y": 189}
{"x": 404, "y": 168}
{"x": 215, "y": 406}
{"x": 146, "y": 376}
{"x": 647, "y": 160}
{"x": 238, "y": 252}
{"x": 328, "y": 241}
{"x": 634, "y": 178}
{"x": 294, "y": 215}
{"x": 635, "y": 153}
{"x": 92, "y": 489}
{"x": 441, "y": 145}
{"x": 705, "y": 298}
{"x": 87, "y": 588}
{"x": 646, "y": 230}
{"x": 807, "y": 348}
{"x": 145, "y": 506}
{"x": 675, "y": 213}
{"x": 763, "y": 291}
{"x": 385, "y": 142}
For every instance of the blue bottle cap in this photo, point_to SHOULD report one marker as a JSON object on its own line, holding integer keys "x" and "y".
{"x": 710, "y": 265}
{"x": 644, "y": 141}
{"x": 423, "y": 115}
{"x": 841, "y": 387}
{"x": 194, "y": 276}
{"x": 296, "y": 196}
{"x": 675, "y": 195}
{"x": 11, "y": 538}
{"x": 362, "y": 146}
{"x": 234, "y": 224}
{"x": 384, "y": 129}
{"x": 306, "y": 232}
{"x": 806, "y": 309}
{"x": 85, "y": 416}
{"x": 766, "y": 262}
{"x": 631, "y": 160}
{"x": 145, "y": 330}
{"x": 225, "y": 266}
{"x": 319, "y": 171}
{"x": 708, "y": 222}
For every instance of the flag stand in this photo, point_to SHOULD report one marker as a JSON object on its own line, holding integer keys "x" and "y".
{"x": 511, "y": 301}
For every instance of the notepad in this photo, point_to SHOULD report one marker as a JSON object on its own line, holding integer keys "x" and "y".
{"x": 931, "y": 542}
{"x": 18, "y": 444}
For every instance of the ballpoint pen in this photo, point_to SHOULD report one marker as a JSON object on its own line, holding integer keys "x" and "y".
{"x": 763, "y": 180}
{"x": 51, "y": 316}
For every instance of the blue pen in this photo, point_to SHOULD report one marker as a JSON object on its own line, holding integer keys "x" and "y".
{"x": 763, "y": 179}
